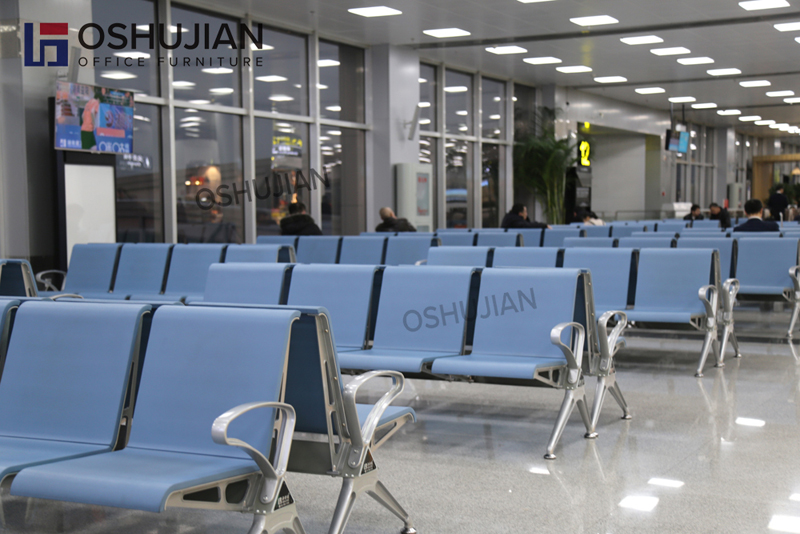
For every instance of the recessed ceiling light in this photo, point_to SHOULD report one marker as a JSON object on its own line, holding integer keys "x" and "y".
{"x": 174, "y": 29}
{"x": 192, "y": 118}
{"x": 682, "y": 99}
{"x": 283, "y": 125}
{"x": 755, "y": 83}
{"x": 321, "y": 86}
{"x": 182, "y": 84}
{"x": 723, "y": 72}
{"x": 729, "y": 112}
{"x": 750, "y": 118}
{"x": 334, "y": 108}
{"x": 797, "y": 39}
{"x": 598, "y": 20}
{"x": 764, "y": 123}
{"x": 643, "y": 504}
{"x": 456, "y": 89}
{"x": 611, "y": 79}
{"x": 443, "y": 33}
{"x": 794, "y": 497}
{"x": 375, "y": 11}
{"x": 502, "y": 50}
{"x": 783, "y": 128}
{"x": 462, "y": 113}
{"x": 334, "y": 132}
{"x": 704, "y": 105}
{"x": 544, "y": 60}
{"x": 650, "y": 90}
{"x": 778, "y": 94}
{"x": 695, "y": 60}
{"x": 199, "y": 102}
{"x": 463, "y": 128}
{"x": 117, "y": 75}
{"x": 533, "y": 1}
{"x": 424, "y": 104}
{"x": 644, "y": 39}
{"x": 264, "y": 47}
{"x": 755, "y": 5}
{"x": 784, "y": 523}
{"x": 665, "y": 482}
{"x": 776, "y": 126}
{"x": 221, "y": 90}
{"x": 671, "y": 51}
{"x": 574, "y": 69}
{"x": 424, "y": 121}
{"x": 271, "y": 78}
{"x": 788, "y": 27}
{"x": 281, "y": 98}
{"x": 133, "y": 55}
{"x": 494, "y": 117}
{"x": 218, "y": 70}
{"x": 794, "y": 100}
{"x": 328, "y": 63}
{"x": 422, "y": 80}
{"x": 190, "y": 110}
{"x": 746, "y": 421}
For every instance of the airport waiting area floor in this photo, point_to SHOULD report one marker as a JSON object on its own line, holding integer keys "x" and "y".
{"x": 474, "y": 461}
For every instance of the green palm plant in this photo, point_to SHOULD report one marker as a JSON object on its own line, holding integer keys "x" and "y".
{"x": 541, "y": 162}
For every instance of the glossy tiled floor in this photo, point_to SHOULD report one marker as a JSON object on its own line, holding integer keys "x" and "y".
{"x": 473, "y": 463}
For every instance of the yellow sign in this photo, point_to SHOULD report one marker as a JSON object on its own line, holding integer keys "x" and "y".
{"x": 585, "y": 151}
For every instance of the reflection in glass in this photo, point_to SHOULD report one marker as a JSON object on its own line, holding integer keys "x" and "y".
{"x": 427, "y": 155}
{"x": 140, "y": 211}
{"x": 281, "y": 153}
{"x": 493, "y": 106}
{"x": 427, "y": 97}
{"x": 341, "y": 82}
{"x": 457, "y": 168}
{"x": 343, "y": 199}
{"x": 208, "y": 157}
{"x": 490, "y": 184}
{"x": 280, "y": 74}
{"x": 458, "y": 102}
{"x": 524, "y": 110}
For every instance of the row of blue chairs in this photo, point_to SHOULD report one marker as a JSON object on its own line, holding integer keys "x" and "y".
{"x": 378, "y": 249}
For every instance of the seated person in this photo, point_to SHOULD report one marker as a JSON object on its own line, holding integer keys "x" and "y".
{"x": 390, "y": 223}
{"x": 718, "y": 213}
{"x": 590, "y": 218}
{"x": 755, "y": 211}
{"x": 298, "y": 222}
{"x": 694, "y": 214}
{"x": 518, "y": 218}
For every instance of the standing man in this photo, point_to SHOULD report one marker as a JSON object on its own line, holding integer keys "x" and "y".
{"x": 518, "y": 218}
{"x": 778, "y": 202}
{"x": 755, "y": 211}
{"x": 694, "y": 214}
{"x": 718, "y": 213}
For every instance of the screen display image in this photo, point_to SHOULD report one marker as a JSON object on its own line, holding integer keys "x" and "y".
{"x": 94, "y": 119}
{"x": 683, "y": 143}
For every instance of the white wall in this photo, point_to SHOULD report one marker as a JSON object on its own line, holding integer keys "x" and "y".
{"x": 618, "y": 173}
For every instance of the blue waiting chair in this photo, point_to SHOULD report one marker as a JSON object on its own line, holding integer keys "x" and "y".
{"x": 290, "y": 240}
{"x": 179, "y": 452}
{"x": 591, "y": 242}
{"x": 363, "y": 250}
{"x": 621, "y": 230}
{"x": 460, "y": 256}
{"x": 554, "y": 237}
{"x": 8, "y": 310}
{"x": 318, "y": 249}
{"x": 527, "y": 257}
{"x": 705, "y": 223}
{"x": 188, "y": 270}
{"x": 259, "y": 254}
{"x": 728, "y": 251}
{"x": 756, "y": 235}
{"x": 16, "y": 279}
{"x": 247, "y": 283}
{"x": 499, "y": 239}
{"x": 702, "y": 232}
{"x": 647, "y": 242}
{"x": 656, "y": 235}
{"x": 671, "y": 226}
{"x": 408, "y": 250}
{"x": 91, "y": 270}
{"x": 457, "y": 239}
{"x": 142, "y": 270}
{"x": 596, "y": 231}
{"x": 532, "y": 237}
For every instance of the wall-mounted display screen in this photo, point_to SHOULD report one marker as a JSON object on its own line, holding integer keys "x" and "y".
{"x": 93, "y": 119}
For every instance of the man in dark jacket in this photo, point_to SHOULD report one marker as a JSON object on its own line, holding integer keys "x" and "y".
{"x": 390, "y": 223}
{"x": 694, "y": 214}
{"x": 518, "y": 218}
{"x": 778, "y": 202}
{"x": 718, "y": 213}
{"x": 755, "y": 210}
{"x": 298, "y": 222}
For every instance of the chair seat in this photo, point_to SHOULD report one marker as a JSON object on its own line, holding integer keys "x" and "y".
{"x": 138, "y": 479}
{"x": 104, "y": 296}
{"x": 168, "y": 297}
{"x": 19, "y": 453}
{"x": 391, "y": 413}
{"x": 496, "y": 366}
{"x": 405, "y": 361}
{"x": 761, "y": 290}
{"x": 662, "y": 316}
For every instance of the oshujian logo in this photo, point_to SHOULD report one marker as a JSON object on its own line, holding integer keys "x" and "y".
{"x": 50, "y": 34}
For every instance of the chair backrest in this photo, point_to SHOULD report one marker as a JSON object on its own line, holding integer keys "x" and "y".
{"x": 526, "y": 257}
{"x": 259, "y": 253}
{"x": 554, "y": 237}
{"x": 596, "y": 231}
{"x": 728, "y": 251}
{"x": 188, "y": 380}
{"x": 499, "y": 239}
{"x": 278, "y": 240}
{"x": 656, "y": 235}
{"x": 591, "y": 242}
{"x": 345, "y": 291}
{"x": 188, "y": 267}
{"x": 444, "y": 230}
{"x": 67, "y": 370}
{"x": 706, "y": 223}
{"x": 625, "y": 230}
{"x": 362, "y": 250}
{"x": 611, "y": 275}
{"x": 766, "y": 262}
{"x": 247, "y": 283}
{"x": 457, "y": 239}
{"x": 378, "y": 233}
{"x": 431, "y": 316}
{"x": 461, "y": 256}
{"x": 531, "y": 237}
{"x": 408, "y": 250}
{"x": 92, "y": 268}
{"x": 16, "y": 279}
{"x": 142, "y": 268}
{"x": 670, "y": 279}
{"x": 671, "y": 226}
{"x": 757, "y": 235}
{"x": 647, "y": 242}
{"x": 702, "y": 229}
{"x": 517, "y": 309}
{"x": 318, "y": 248}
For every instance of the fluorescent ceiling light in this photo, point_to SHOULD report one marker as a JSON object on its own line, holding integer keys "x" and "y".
{"x": 327, "y": 63}
{"x": 533, "y": 1}
{"x": 334, "y": 108}
{"x": 794, "y": 497}
{"x": 462, "y": 113}
{"x": 643, "y": 39}
{"x": 788, "y": 27}
{"x": 598, "y": 20}
{"x": 199, "y": 102}
{"x": 643, "y": 504}
{"x": 218, "y": 70}
{"x": 704, "y": 105}
{"x": 286, "y": 130}
{"x": 174, "y": 29}
{"x": 463, "y": 128}
{"x": 510, "y": 49}
{"x": 777, "y": 94}
{"x": 764, "y": 123}
{"x": 141, "y": 118}
{"x": 494, "y": 117}
{"x": 143, "y": 27}
{"x": 444, "y": 33}
{"x": 794, "y": 100}
{"x": 671, "y": 51}
{"x": 271, "y": 78}
{"x": 665, "y": 482}
{"x": 682, "y": 99}
{"x": 695, "y": 60}
{"x": 755, "y": 83}
{"x": 574, "y": 69}
{"x": 190, "y": 110}
{"x": 192, "y": 119}
{"x": 611, "y": 79}
{"x": 422, "y": 80}
{"x": 334, "y": 132}
{"x": 424, "y": 121}
{"x": 264, "y": 47}
{"x": 281, "y": 98}
{"x": 746, "y": 421}
{"x": 424, "y": 104}
{"x": 221, "y": 90}
{"x": 750, "y": 118}
{"x": 723, "y": 72}
{"x": 729, "y": 112}
{"x": 117, "y": 75}
{"x": 650, "y": 90}
{"x": 783, "y": 128}
{"x": 544, "y": 60}
{"x": 456, "y": 89}
{"x": 181, "y": 84}
{"x": 797, "y": 39}
{"x": 784, "y": 523}
{"x": 375, "y": 11}
{"x": 755, "y": 5}
{"x": 775, "y": 126}
{"x": 133, "y": 55}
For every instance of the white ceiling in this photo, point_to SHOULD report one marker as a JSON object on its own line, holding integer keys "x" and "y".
{"x": 757, "y": 49}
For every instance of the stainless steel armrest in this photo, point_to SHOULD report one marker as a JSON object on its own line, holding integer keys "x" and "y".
{"x": 794, "y": 273}
{"x": 574, "y": 359}
{"x": 709, "y": 295}
{"x": 272, "y": 475}
{"x": 729, "y": 291}
{"x": 47, "y": 282}
{"x": 66, "y": 296}
{"x": 421, "y": 262}
{"x": 610, "y": 343}
{"x": 361, "y": 438}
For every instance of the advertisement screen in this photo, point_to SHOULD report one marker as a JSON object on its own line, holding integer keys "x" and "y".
{"x": 94, "y": 119}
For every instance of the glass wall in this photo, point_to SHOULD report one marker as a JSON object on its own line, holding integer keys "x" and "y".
{"x": 694, "y": 172}
{"x": 341, "y": 82}
{"x": 344, "y": 199}
{"x": 280, "y": 73}
{"x": 457, "y": 157}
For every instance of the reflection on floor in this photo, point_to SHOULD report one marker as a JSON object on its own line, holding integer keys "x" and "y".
{"x": 718, "y": 454}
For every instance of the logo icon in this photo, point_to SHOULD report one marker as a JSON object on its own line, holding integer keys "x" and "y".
{"x": 56, "y": 34}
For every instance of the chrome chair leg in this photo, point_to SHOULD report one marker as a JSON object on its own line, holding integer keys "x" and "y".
{"x": 795, "y": 314}
{"x": 616, "y": 392}
{"x": 735, "y": 345}
{"x": 597, "y": 405}
{"x": 561, "y": 421}
{"x": 382, "y": 495}
{"x": 708, "y": 346}
{"x": 347, "y": 498}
